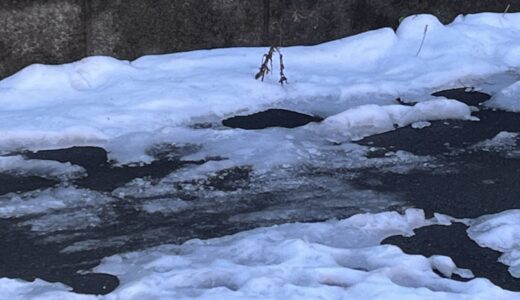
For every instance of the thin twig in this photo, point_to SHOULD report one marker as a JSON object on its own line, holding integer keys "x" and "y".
{"x": 283, "y": 79}
{"x": 423, "y": 39}
{"x": 267, "y": 65}
{"x": 507, "y": 8}
{"x": 266, "y": 61}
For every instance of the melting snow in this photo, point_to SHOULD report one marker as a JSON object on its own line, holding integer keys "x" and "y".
{"x": 503, "y": 141}
{"x": 101, "y": 100}
{"x": 18, "y": 166}
{"x": 500, "y": 232}
{"x": 128, "y": 107}
{"x": 507, "y": 98}
{"x": 330, "y": 260}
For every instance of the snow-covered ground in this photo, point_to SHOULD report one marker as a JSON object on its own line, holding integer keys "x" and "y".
{"x": 131, "y": 108}
{"x": 330, "y": 260}
{"x": 108, "y": 102}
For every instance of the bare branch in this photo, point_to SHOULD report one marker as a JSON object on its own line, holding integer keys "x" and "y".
{"x": 267, "y": 61}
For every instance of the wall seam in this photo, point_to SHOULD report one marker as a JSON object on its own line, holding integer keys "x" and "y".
{"x": 267, "y": 20}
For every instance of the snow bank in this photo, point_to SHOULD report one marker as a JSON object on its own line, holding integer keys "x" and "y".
{"x": 99, "y": 99}
{"x": 370, "y": 119}
{"x": 500, "y": 232}
{"x": 330, "y": 260}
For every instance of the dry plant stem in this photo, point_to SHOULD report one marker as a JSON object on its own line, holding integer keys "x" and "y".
{"x": 283, "y": 79}
{"x": 423, "y": 39}
{"x": 266, "y": 61}
{"x": 267, "y": 65}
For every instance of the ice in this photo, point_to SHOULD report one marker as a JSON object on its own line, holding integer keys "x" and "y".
{"x": 56, "y": 209}
{"x": 330, "y": 260}
{"x": 421, "y": 124}
{"x": 165, "y": 206}
{"x": 18, "y": 166}
{"x": 117, "y": 241}
{"x": 503, "y": 141}
{"x": 500, "y": 232}
{"x": 506, "y": 99}
{"x": 314, "y": 189}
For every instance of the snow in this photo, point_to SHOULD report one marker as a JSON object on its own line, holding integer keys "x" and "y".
{"x": 107, "y": 102}
{"x": 372, "y": 119}
{"x": 421, "y": 124}
{"x": 506, "y": 99}
{"x": 330, "y": 260}
{"x": 38, "y": 290}
{"x": 140, "y": 108}
{"x": 18, "y": 166}
{"x": 500, "y": 232}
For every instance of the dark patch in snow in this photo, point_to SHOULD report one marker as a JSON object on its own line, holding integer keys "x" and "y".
{"x": 89, "y": 158}
{"x": 171, "y": 151}
{"x": 468, "y": 96}
{"x": 453, "y": 241}
{"x": 460, "y": 193}
{"x": 442, "y": 136}
{"x": 204, "y": 125}
{"x": 405, "y": 102}
{"x": 271, "y": 118}
{"x": 93, "y": 283}
{"x": 103, "y": 176}
{"x": 13, "y": 184}
{"x": 21, "y": 258}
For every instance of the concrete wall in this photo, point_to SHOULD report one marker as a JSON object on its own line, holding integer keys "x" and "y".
{"x": 60, "y": 31}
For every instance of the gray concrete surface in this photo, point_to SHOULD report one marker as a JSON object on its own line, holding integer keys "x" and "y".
{"x": 60, "y": 31}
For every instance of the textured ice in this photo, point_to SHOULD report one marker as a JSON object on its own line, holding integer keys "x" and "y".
{"x": 165, "y": 206}
{"x": 500, "y": 232}
{"x": 18, "y": 166}
{"x": 57, "y": 208}
{"x": 503, "y": 141}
